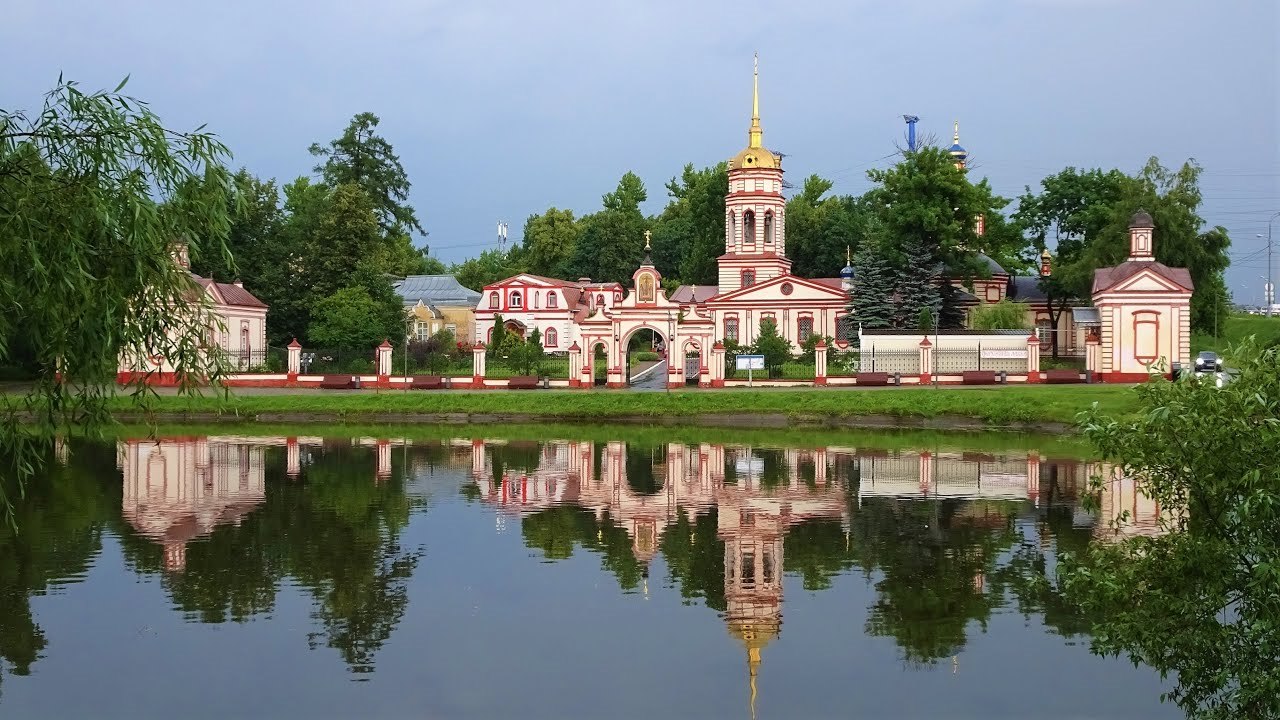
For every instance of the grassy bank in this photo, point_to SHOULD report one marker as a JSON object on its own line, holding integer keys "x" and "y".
{"x": 1236, "y": 328}
{"x": 994, "y": 406}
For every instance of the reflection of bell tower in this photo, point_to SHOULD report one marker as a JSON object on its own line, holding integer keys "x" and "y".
{"x": 752, "y": 580}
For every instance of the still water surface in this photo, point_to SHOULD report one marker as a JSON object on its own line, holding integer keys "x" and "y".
{"x": 481, "y": 577}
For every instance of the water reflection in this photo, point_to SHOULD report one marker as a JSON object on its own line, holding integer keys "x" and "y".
{"x": 944, "y": 539}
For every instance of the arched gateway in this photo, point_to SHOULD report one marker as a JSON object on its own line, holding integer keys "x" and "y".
{"x": 645, "y": 307}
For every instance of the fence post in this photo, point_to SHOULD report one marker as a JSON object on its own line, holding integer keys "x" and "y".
{"x": 926, "y": 361}
{"x": 717, "y": 365}
{"x": 979, "y": 354}
{"x": 477, "y": 365}
{"x": 1092, "y": 356}
{"x": 1033, "y": 358}
{"x": 384, "y": 363}
{"x": 820, "y": 363}
{"x": 575, "y": 365}
{"x": 294, "y": 365}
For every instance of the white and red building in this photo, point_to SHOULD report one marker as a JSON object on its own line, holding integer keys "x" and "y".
{"x": 554, "y": 307}
{"x": 1144, "y": 309}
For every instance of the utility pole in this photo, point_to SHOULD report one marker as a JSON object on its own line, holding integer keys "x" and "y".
{"x": 1270, "y": 292}
{"x": 502, "y": 236}
{"x": 911, "y": 121}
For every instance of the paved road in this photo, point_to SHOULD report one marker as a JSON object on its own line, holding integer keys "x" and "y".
{"x": 655, "y": 380}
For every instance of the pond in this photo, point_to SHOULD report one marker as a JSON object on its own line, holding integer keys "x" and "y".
{"x": 480, "y": 572}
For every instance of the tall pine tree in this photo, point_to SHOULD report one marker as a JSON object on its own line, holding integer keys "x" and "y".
{"x": 871, "y": 303}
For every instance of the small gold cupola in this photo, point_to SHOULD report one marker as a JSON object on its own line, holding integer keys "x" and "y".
{"x": 756, "y": 155}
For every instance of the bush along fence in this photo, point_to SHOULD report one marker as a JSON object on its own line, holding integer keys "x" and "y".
{"x": 883, "y": 358}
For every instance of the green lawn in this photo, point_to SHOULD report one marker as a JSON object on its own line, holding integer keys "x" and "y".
{"x": 998, "y": 405}
{"x": 1236, "y": 329}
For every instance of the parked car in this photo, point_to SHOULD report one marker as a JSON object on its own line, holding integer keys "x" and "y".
{"x": 1208, "y": 361}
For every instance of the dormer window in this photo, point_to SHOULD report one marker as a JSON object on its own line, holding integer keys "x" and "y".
{"x": 551, "y": 300}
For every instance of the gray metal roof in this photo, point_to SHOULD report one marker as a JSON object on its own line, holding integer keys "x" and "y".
{"x": 1086, "y": 316}
{"x": 1026, "y": 288}
{"x": 435, "y": 290}
{"x": 991, "y": 265}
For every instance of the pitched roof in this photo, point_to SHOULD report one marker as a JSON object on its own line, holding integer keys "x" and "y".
{"x": 435, "y": 290}
{"x": 693, "y": 293}
{"x": 1106, "y": 278}
{"x": 1024, "y": 288}
{"x": 229, "y": 293}
{"x": 837, "y": 283}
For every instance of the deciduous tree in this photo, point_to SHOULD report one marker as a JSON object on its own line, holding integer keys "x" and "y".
{"x": 549, "y": 240}
{"x": 94, "y": 192}
{"x": 1200, "y": 600}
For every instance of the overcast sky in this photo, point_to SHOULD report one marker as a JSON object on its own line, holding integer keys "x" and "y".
{"x": 502, "y": 109}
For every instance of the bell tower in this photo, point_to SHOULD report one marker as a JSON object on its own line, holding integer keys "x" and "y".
{"x": 755, "y": 212}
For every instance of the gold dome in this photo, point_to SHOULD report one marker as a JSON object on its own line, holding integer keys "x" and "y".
{"x": 755, "y": 157}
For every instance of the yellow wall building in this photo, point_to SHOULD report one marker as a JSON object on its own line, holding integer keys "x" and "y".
{"x": 439, "y": 302}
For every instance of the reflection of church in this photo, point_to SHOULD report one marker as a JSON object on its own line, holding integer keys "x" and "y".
{"x": 757, "y": 504}
{"x": 180, "y": 489}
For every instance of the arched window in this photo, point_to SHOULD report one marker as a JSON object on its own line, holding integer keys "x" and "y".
{"x": 768, "y": 227}
{"x": 493, "y": 300}
{"x": 537, "y": 298}
{"x": 748, "y": 278}
{"x": 749, "y": 226}
{"x": 804, "y": 328}
{"x": 516, "y": 300}
{"x": 552, "y": 302}
{"x": 842, "y": 328}
{"x": 733, "y": 227}
{"x": 488, "y": 340}
{"x": 731, "y": 328}
{"x": 550, "y": 339}
{"x": 600, "y": 300}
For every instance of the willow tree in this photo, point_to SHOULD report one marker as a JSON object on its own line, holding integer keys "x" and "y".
{"x": 95, "y": 195}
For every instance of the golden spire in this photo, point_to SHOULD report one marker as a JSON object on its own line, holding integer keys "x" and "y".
{"x": 755, "y": 135}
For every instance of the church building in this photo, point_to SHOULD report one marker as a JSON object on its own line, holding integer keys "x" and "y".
{"x": 755, "y": 280}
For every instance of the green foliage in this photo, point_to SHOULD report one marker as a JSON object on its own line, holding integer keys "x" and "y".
{"x": 360, "y": 316}
{"x": 489, "y": 267}
{"x": 808, "y": 351}
{"x": 1087, "y": 214}
{"x": 549, "y": 240}
{"x": 612, "y": 241}
{"x": 775, "y": 348}
{"x": 1004, "y": 315}
{"x": 924, "y": 319}
{"x": 365, "y": 159}
{"x": 436, "y": 354}
{"x": 689, "y": 233}
{"x": 871, "y": 302}
{"x": 1201, "y": 598}
{"x": 94, "y": 191}
{"x": 499, "y": 338}
{"x": 821, "y": 229}
{"x": 525, "y": 357}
